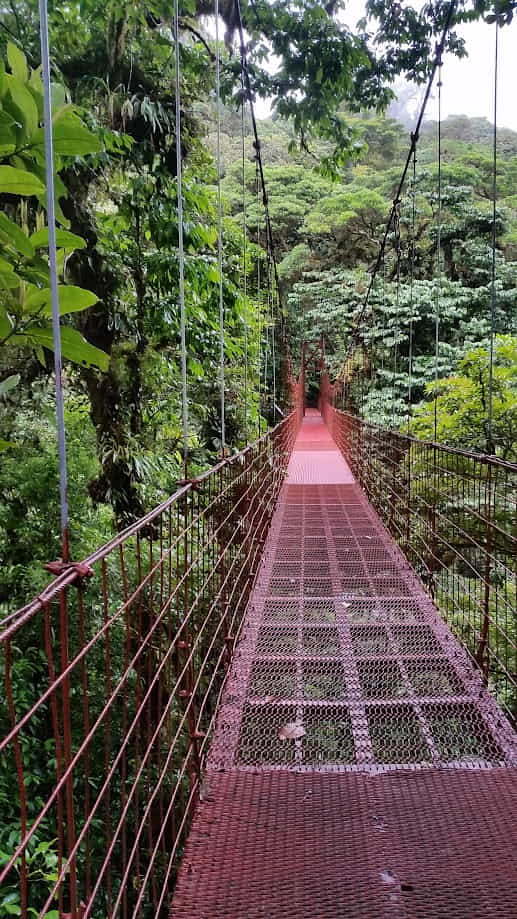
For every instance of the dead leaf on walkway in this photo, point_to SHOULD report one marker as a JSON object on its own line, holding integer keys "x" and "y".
{"x": 291, "y": 731}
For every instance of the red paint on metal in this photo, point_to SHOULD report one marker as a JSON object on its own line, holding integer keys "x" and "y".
{"x": 394, "y": 792}
{"x": 422, "y": 845}
{"x": 125, "y": 680}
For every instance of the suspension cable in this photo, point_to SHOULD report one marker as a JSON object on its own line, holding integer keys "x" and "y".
{"x": 383, "y": 299}
{"x": 493, "y": 292}
{"x": 270, "y": 243}
{"x": 437, "y": 304}
{"x": 220, "y": 231}
{"x": 272, "y": 321}
{"x": 414, "y": 138}
{"x": 257, "y": 144}
{"x": 52, "y": 254}
{"x": 181, "y": 253}
{"x": 259, "y": 296}
{"x": 397, "y": 316}
{"x": 244, "y": 261}
{"x": 411, "y": 289}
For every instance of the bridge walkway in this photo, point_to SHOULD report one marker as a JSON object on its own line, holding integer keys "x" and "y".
{"x": 359, "y": 768}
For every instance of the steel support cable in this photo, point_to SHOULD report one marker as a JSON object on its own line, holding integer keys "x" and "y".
{"x": 266, "y": 335}
{"x": 244, "y": 260}
{"x": 272, "y": 322}
{"x": 437, "y": 305}
{"x": 383, "y": 299}
{"x": 259, "y": 297}
{"x": 53, "y": 272}
{"x": 220, "y": 231}
{"x": 273, "y": 347}
{"x": 415, "y": 136}
{"x": 269, "y": 368}
{"x": 397, "y": 317}
{"x": 493, "y": 292}
{"x": 257, "y": 144}
{"x": 260, "y": 168}
{"x": 181, "y": 252}
{"x": 411, "y": 288}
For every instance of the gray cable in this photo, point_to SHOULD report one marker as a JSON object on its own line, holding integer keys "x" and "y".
{"x": 220, "y": 228}
{"x": 439, "y": 248}
{"x": 181, "y": 253}
{"x": 244, "y": 259}
{"x": 56, "y": 327}
{"x": 493, "y": 293}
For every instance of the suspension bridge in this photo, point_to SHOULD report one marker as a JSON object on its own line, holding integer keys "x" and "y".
{"x": 291, "y": 688}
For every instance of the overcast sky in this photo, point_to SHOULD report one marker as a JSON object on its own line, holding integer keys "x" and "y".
{"x": 468, "y": 83}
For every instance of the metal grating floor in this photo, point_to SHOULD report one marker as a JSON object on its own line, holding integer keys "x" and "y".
{"x": 359, "y": 767}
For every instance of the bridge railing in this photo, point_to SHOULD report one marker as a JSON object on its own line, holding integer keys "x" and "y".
{"x": 453, "y": 513}
{"x": 111, "y": 682}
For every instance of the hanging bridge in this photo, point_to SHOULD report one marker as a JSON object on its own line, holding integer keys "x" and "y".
{"x": 290, "y": 690}
{"x": 255, "y": 707}
{"x": 344, "y": 686}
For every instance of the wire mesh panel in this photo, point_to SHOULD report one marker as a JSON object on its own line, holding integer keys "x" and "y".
{"x": 344, "y": 661}
{"x": 111, "y": 682}
{"x": 408, "y": 845}
{"x": 454, "y": 514}
{"x": 358, "y": 759}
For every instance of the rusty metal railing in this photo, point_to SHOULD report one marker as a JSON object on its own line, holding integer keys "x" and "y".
{"x": 454, "y": 515}
{"x": 112, "y": 678}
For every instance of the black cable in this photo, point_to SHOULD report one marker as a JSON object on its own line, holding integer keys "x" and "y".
{"x": 439, "y": 253}
{"x": 493, "y": 297}
{"x": 415, "y": 136}
{"x": 411, "y": 290}
{"x": 258, "y": 150}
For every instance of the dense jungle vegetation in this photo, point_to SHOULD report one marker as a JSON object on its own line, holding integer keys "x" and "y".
{"x": 328, "y": 234}
{"x": 333, "y": 152}
{"x": 332, "y": 160}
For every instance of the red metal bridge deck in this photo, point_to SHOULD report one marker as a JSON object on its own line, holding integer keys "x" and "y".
{"x": 359, "y": 768}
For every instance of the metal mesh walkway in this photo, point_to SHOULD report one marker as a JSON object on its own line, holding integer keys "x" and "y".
{"x": 359, "y": 767}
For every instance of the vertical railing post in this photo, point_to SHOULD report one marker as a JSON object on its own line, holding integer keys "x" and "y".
{"x": 482, "y": 652}
{"x": 409, "y": 498}
{"x": 223, "y": 547}
{"x": 435, "y": 539}
{"x": 185, "y": 647}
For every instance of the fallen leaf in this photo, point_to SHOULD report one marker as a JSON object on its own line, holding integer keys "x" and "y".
{"x": 291, "y": 731}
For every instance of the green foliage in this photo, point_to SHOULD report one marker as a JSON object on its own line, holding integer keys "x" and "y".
{"x": 325, "y": 275}
{"x": 25, "y": 297}
{"x": 29, "y": 515}
{"x": 116, "y": 185}
{"x": 462, "y": 402}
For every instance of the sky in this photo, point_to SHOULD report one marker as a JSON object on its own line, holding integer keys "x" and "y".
{"x": 468, "y": 83}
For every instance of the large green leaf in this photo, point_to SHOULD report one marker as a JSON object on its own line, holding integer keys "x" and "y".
{"x": 17, "y": 62}
{"x": 7, "y": 134}
{"x": 5, "y": 323}
{"x": 71, "y": 137}
{"x": 12, "y": 235}
{"x": 8, "y": 277}
{"x": 73, "y": 345}
{"x": 58, "y": 100}
{"x": 9, "y": 383}
{"x": 71, "y": 300}
{"x": 60, "y": 191}
{"x": 19, "y": 182}
{"x": 64, "y": 239}
{"x": 8, "y": 281}
{"x": 21, "y": 105}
